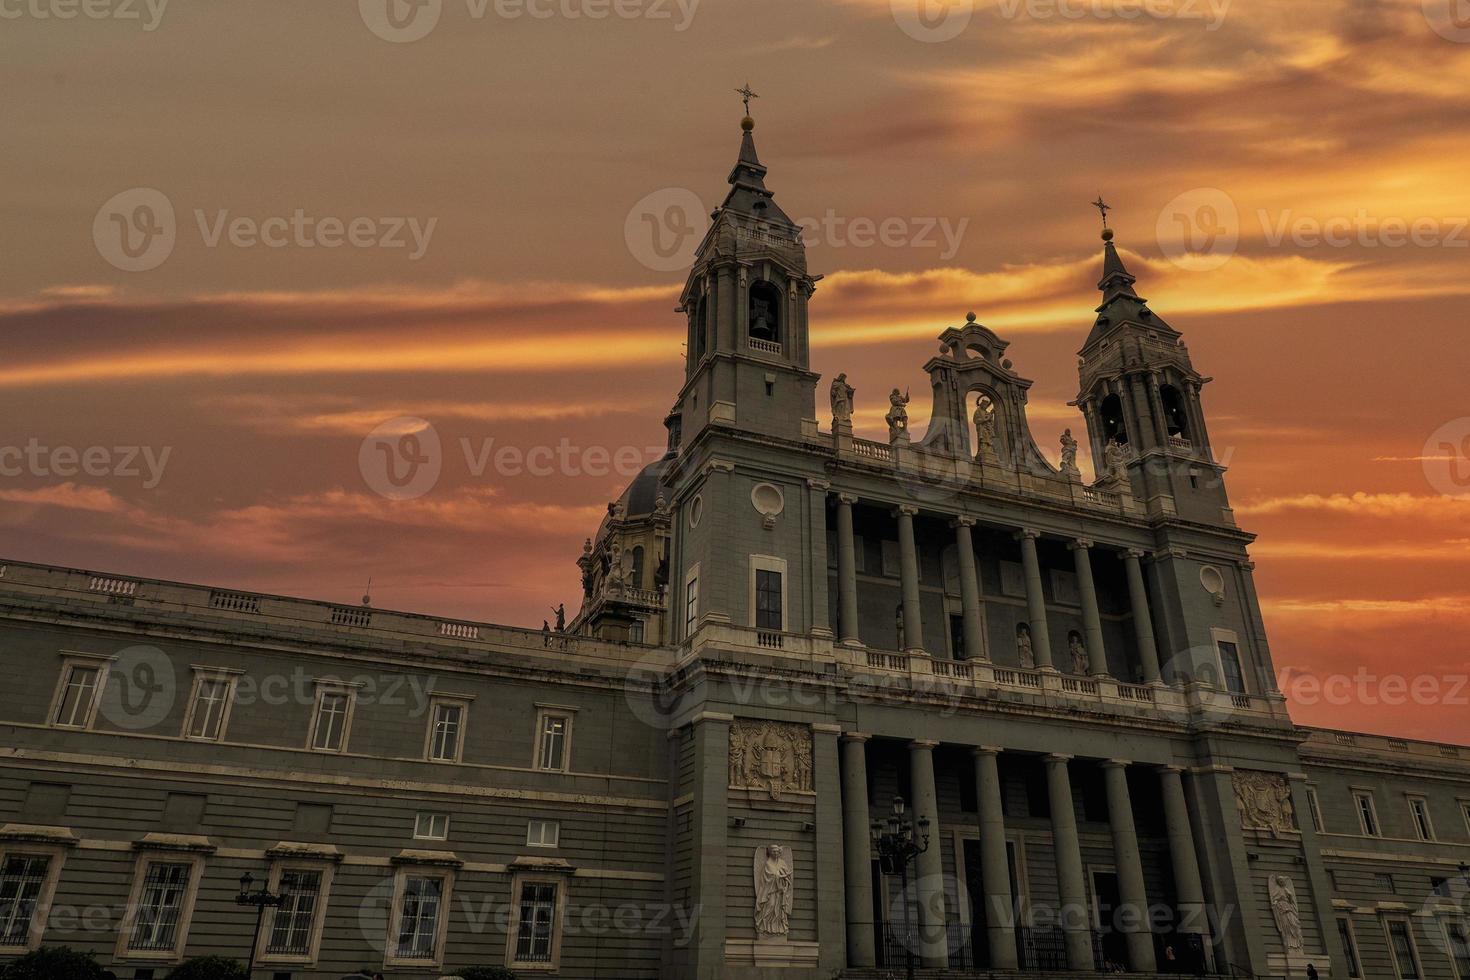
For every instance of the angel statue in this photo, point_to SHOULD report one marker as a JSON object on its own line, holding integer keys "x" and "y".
{"x": 773, "y": 888}
{"x": 898, "y": 415}
{"x": 842, "y": 393}
{"x": 1284, "y": 909}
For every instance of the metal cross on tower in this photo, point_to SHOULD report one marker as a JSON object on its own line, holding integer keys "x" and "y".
{"x": 746, "y": 95}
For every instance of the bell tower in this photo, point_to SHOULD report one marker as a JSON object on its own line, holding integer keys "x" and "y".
{"x": 746, "y": 303}
{"x": 1141, "y": 397}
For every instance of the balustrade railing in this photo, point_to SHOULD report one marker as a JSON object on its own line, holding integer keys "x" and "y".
{"x": 873, "y": 450}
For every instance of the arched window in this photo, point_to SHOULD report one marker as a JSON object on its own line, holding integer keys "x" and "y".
{"x": 1113, "y": 427}
{"x": 1174, "y": 414}
{"x": 765, "y": 312}
{"x": 638, "y": 567}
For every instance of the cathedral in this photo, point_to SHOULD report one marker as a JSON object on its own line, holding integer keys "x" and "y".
{"x": 831, "y": 707}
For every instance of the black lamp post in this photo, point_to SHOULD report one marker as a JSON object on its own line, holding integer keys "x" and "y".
{"x": 261, "y": 899}
{"x": 897, "y": 847}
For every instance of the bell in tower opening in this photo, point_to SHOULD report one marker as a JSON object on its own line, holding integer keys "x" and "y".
{"x": 765, "y": 306}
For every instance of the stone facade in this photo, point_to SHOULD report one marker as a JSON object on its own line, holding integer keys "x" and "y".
{"x": 784, "y": 627}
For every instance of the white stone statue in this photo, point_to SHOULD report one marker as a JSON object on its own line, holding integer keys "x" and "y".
{"x": 1024, "y": 653}
{"x": 1115, "y": 460}
{"x": 1080, "y": 663}
{"x": 1069, "y": 453}
{"x": 1284, "y": 910}
{"x": 985, "y": 427}
{"x": 842, "y": 393}
{"x": 773, "y": 892}
{"x": 898, "y": 415}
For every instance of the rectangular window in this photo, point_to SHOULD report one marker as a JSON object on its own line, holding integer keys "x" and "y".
{"x": 1457, "y": 934}
{"x": 208, "y": 708}
{"x": 79, "y": 694}
{"x": 1401, "y": 943}
{"x": 419, "y": 911}
{"x": 446, "y": 727}
{"x": 553, "y": 748}
{"x": 22, "y": 880}
{"x": 768, "y": 612}
{"x": 1349, "y": 946}
{"x": 1230, "y": 671}
{"x": 1384, "y": 884}
{"x": 1367, "y": 815}
{"x": 1315, "y": 808}
{"x": 1419, "y": 810}
{"x": 1465, "y": 812}
{"x": 293, "y": 923}
{"x": 543, "y": 833}
{"x": 431, "y": 826}
{"x": 329, "y": 728}
{"x": 160, "y": 908}
{"x": 691, "y": 605}
{"x": 537, "y": 924}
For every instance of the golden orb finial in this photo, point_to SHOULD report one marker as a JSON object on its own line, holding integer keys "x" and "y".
{"x": 1107, "y": 234}
{"x": 747, "y": 124}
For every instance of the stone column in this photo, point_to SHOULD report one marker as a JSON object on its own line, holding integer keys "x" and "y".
{"x": 908, "y": 561}
{"x": 1134, "y": 919}
{"x": 857, "y": 852}
{"x": 1199, "y": 436}
{"x": 995, "y": 872}
{"x": 847, "y": 604}
{"x": 1143, "y": 626}
{"x": 1035, "y": 599}
{"x": 817, "y": 609}
{"x": 928, "y": 871}
{"x": 1097, "y": 655}
{"x": 1188, "y": 887}
{"x": 1076, "y": 922}
{"x": 1148, "y": 436}
{"x": 1095, "y": 435}
{"x": 1161, "y": 423}
{"x": 969, "y": 588}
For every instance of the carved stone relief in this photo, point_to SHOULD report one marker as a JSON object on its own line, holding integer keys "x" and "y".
{"x": 1265, "y": 801}
{"x": 772, "y": 756}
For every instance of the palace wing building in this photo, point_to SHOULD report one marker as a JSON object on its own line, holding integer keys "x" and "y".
{"x": 1053, "y": 697}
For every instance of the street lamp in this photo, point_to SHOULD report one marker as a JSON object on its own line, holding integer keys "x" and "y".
{"x": 261, "y": 899}
{"x": 897, "y": 847}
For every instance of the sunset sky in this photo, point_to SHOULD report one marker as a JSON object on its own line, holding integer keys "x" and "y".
{"x": 1289, "y": 185}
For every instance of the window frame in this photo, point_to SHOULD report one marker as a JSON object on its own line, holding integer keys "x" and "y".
{"x": 1465, "y": 812}
{"x": 1419, "y": 807}
{"x": 202, "y": 676}
{"x": 1393, "y": 958}
{"x": 1368, "y": 815}
{"x": 325, "y": 689}
{"x": 279, "y": 868}
{"x": 431, "y": 814}
{"x": 512, "y": 940}
{"x": 391, "y": 956}
{"x": 541, "y": 843}
{"x": 1314, "y": 810}
{"x": 769, "y": 564}
{"x": 1445, "y": 922}
{"x": 69, "y": 662}
{"x": 691, "y": 601}
{"x": 544, "y": 713}
{"x": 41, "y": 911}
{"x": 1346, "y": 931}
{"x": 460, "y": 701}
{"x": 146, "y": 859}
{"x": 1217, "y": 637}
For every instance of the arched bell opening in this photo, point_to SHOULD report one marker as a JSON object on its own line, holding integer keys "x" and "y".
{"x": 765, "y": 312}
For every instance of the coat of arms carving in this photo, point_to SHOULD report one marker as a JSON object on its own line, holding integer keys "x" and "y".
{"x": 1265, "y": 801}
{"x": 772, "y": 756}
